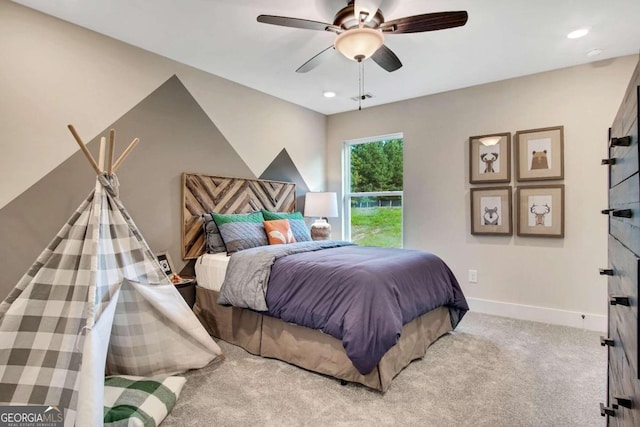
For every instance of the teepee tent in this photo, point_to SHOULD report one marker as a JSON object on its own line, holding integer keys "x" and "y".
{"x": 95, "y": 302}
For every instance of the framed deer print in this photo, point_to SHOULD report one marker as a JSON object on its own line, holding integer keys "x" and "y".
{"x": 490, "y": 158}
{"x": 540, "y": 210}
{"x": 539, "y": 154}
{"x": 491, "y": 211}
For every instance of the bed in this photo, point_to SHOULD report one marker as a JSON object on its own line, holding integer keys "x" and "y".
{"x": 260, "y": 332}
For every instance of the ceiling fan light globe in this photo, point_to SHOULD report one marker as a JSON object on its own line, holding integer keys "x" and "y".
{"x": 359, "y": 42}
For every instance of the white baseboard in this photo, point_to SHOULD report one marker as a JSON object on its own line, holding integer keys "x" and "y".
{"x": 593, "y": 322}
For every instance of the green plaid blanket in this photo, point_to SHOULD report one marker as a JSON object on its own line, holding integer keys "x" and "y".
{"x": 138, "y": 401}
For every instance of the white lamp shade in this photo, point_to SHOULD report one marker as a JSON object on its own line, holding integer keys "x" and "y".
{"x": 359, "y": 42}
{"x": 321, "y": 204}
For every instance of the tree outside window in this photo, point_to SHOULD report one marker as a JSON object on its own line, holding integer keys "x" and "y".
{"x": 373, "y": 191}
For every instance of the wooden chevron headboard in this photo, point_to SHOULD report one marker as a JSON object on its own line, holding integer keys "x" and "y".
{"x": 204, "y": 194}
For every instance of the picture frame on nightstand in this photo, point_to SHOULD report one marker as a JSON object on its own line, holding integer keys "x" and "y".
{"x": 165, "y": 263}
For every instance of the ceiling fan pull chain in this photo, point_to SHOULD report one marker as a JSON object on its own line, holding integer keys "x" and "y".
{"x": 360, "y": 58}
{"x": 362, "y": 86}
{"x": 361, "y": 77}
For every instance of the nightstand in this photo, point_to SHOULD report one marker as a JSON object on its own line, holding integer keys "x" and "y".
{"x": 188, "y": 289}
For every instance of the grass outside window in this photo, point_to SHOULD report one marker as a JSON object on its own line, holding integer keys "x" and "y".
{"x": 377, "y": 226}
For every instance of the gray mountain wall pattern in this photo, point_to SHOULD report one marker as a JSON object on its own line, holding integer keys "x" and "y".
{"x": 176, "y": 136}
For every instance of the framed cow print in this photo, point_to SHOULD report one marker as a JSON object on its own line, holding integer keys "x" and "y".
{"x": 490, "y": 158}
{"x": 491, "y": 211}
{"x": 540, "y": 210}
{"x": 539, "y": 154}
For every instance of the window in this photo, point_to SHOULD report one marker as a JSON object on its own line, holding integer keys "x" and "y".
{"x": 373, "y": 190}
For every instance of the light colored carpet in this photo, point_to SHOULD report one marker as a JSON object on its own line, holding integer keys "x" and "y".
{"x": 491, "y": 371}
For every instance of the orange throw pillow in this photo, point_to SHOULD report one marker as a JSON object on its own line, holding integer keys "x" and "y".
{"x": 279, "y": 232}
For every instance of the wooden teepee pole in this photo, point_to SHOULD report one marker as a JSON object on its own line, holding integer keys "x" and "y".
{"x": 106, "y": 152}
{"x": 84, "y": 149}
{"x": 103, "y": 153}
{"x": 124, "y": 155}
{"x": 110, "y": 151}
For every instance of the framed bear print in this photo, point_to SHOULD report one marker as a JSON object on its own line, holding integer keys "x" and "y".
{"x": 490, "y": 158}
{"x": 491, "y": 211}
{"x": 539, "y": 154}
{"x": 540, "y": 210}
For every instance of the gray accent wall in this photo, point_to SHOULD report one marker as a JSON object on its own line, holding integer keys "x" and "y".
{"x": 283, "y": 169}
{"x": 175, "y": 136}
{"x": 57, "y": 73}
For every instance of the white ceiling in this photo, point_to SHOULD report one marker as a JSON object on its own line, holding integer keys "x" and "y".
{"x": 502, "y": 39}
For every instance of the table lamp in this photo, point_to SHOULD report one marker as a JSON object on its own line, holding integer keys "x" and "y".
{"x": 321, "y": 205}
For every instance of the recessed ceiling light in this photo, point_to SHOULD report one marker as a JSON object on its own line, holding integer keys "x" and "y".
{"x": 594, "y": 52}
{"x": 329, "y": 94}
{"x": 578, "y": 33}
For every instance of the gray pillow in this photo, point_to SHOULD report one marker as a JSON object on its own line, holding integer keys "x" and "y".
{"x": 241, "y": 231}
{"x": 212, "y": 239}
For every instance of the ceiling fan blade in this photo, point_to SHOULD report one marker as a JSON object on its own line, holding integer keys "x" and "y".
{"x": 317, "y": 60}
{"x": 426, "y": 22}
{"x": 305, "y": 24}
{"x": 385, "y": 58}
{"x": 368, "y": 6}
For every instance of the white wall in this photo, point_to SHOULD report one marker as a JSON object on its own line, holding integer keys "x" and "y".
{"x": 545, "y": 279}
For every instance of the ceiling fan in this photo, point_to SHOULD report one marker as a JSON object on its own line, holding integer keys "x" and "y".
{"x": 360, "y": 29}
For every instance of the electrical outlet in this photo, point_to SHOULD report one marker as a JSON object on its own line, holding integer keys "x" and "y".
{"x": 473, "y": 276}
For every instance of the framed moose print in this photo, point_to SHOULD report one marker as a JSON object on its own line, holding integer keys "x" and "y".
{"x": 541, "y": 210}
{"x": 539, "y": 154}
{"x": 491, "y": 211}
{"x": 490, "y": 158}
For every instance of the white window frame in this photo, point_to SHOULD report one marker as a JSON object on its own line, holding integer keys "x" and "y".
{"x": 346, "y": 181}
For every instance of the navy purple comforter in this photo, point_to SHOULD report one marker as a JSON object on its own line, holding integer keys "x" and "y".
{"x": 361, "y": 295}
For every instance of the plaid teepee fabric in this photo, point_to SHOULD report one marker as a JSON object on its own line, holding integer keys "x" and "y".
{"x": 94, "y": 302}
